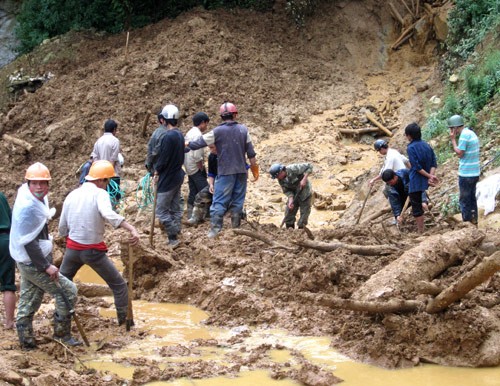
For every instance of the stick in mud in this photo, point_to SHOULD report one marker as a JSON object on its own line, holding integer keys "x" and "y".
{"x": 130, "y": 313}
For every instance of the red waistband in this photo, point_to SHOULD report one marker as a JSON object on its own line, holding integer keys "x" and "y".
{"x": 71, "y": 244}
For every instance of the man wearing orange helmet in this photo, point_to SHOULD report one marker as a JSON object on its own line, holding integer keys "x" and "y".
{"x": 233, "y": 142}
{"x": 83, "y": 216}
{"x": 31, "y": 247}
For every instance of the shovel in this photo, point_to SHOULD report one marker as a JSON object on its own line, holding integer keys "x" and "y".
{"x": 73, "y": 313}
{"x": 130, "y": 313}
{"x": 364, "y": 203}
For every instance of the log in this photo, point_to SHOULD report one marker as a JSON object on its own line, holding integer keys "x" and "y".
{"x": 372, "y": 307}
{"x": 396, "y": 13}
{"x": 426, "y": 288}
{"x": 263, "y": 238}
{"x": 93, "y": 290}
{"x": 373, "y": 120}
{"x": 479, "y": 274}
{"x": 366, "y": 250}
{"x": 424, "y": 262}
{"x": 19, "y": 142}
{"x": 376, "y": 215}
{"x": 359, "y": 131}
{"x": 404, "y": 35}
{"x": 145, "y": 124}
{"x": 408, "y": 8}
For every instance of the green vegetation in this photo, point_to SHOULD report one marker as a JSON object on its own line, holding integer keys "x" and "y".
{"x": 42, "y": 19}
{"x": 469, "y": 23}
{"x": 451, "y": 205}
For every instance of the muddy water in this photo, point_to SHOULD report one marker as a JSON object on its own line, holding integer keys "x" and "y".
{"x": 175, "y": 324}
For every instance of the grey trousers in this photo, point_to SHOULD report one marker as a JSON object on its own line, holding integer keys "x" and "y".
{"x": 99, "y": 262}
{"x": 169, "y": 210}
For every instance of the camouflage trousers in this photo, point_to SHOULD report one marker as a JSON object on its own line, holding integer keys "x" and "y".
{"x": 34, "y": 284}
{"x": 305, "y": 211}
{"x": 202, "y": 201}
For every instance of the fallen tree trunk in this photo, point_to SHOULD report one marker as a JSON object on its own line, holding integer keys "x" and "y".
{"x": 93, "y": 290}
{"x": 372, "y": 307}
{"x": 423, "y": 262}
{"x": 367, "y": 250}
{"x": 359, "y": 131}
{"x": 376, "y": 215}
{"x": 19, "y": 142}
{"x": 263, "y": 238}
{"x": 479, "y": 274}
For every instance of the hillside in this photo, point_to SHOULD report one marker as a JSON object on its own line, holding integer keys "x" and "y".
{"x": 296, "y": 90}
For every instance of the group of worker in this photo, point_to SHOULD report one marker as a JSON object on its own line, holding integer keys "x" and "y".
{"x": 408, "y": 179}
{"x": 86, "y": 209}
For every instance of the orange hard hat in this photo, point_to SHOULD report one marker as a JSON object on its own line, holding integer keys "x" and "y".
{"x": 100, "y": 170}
{"x": 38, "y": 172}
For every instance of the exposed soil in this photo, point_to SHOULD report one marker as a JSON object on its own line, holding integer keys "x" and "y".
{"x": 295, "y": 89}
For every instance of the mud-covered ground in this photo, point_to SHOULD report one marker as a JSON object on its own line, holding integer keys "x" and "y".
{"x": 295, "y": 89}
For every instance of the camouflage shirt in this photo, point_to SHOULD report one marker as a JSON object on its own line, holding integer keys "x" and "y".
{"x": 291, "y": 183}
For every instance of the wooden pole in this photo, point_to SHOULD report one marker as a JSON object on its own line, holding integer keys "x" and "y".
{"x": 364, "y": 203}
{"x": 479, "y": 274}
{"x": 374, "y": 120}
{"x": 126, "y": 45}
{"x": 130, "y": 312}
{"x": 145, "y": 123}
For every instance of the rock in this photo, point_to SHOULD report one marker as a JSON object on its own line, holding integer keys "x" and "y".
{"x": 441, "y": 22}
{"x": 453, "y": 78}
{"x": 11, "y": 377}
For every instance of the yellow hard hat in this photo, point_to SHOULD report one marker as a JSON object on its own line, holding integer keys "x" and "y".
{"x": 38, "y": 172}
{"x": 100, "y": 170}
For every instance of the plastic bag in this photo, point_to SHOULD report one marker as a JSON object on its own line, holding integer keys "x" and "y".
{"x": 486, "y": 192}
{"x": 29, "y": 216}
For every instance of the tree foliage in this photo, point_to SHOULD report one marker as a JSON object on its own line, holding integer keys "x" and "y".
{"x": 42, "y": 19}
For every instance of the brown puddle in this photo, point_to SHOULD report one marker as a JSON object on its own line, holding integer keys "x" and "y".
{"x": 177, "y": 324}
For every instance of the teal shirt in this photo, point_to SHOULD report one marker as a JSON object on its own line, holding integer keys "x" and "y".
{"x": 468, "y": 165}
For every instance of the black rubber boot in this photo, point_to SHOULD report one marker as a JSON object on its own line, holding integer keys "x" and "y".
{"x": 121, "y": 314}
{"x": 235, "y": 220}
{"x": 26, "y": 335}
{"x": 196, "y": 216}
{"x": 62, "y": 330}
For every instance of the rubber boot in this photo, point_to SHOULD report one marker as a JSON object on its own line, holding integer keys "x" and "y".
{"x": 62, "y": 330}
{"x": 173, "y": 242}
{"x": 235, "y": 220}
{"x": 196, "y": 216}
{"x": 26, "y": 335}
{"x": 189, "y": 211}
{"x": 121, "y": 314}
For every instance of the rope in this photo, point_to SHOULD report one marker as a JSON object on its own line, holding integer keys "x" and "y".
{"x": 144, "y": 194}
{"x": 115, "y": 193}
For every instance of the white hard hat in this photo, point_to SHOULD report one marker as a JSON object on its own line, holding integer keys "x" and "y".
{"x": 170, "y": 112}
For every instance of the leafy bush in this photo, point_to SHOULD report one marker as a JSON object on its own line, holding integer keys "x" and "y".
{"x": 468, "y": 23}
{"x": 451, "y": 205}
{"x": 300, "y": 9}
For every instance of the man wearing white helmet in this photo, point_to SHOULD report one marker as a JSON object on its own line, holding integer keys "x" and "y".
{"x": 167, "y": 166}
{"x": 233, "y": 143}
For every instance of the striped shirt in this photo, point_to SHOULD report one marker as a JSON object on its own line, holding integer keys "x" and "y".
{"x": 468, "y": 165}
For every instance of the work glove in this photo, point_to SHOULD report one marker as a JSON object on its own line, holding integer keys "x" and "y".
{"x": 255, "y": 172}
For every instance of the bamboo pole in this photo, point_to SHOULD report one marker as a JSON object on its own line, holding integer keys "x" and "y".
{"x": 373, "y": 120}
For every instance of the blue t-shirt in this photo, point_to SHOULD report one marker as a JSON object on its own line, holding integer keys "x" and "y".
{"x": 468, "y": 165}
{"x": 421, "y": 157}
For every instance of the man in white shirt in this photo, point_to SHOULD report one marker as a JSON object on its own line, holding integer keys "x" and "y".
{"x": 83, "y": 216}
{"x": 107, "y": 147}
{"x": 393, "y": 159}
{"x": 194, "y": 160}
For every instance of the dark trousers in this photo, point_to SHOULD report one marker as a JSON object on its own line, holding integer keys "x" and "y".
{"x": 196, "y": 183}
{"x": 467, "y": 200}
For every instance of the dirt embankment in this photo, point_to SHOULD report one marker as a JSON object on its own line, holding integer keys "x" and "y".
{"x": 336, "y": 69}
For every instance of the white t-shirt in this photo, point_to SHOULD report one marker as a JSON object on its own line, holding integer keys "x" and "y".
{"x": 193, "y": 156}
{"x": 394, "y": 160}
{"x": 84, "y": 213}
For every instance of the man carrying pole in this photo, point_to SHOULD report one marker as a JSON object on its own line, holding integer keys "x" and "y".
{"x": 83, "y": 216}
{"x": 31, "y": 247}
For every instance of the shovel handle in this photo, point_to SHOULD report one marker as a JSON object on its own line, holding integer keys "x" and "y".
{"x": 73, "y": 313}
{"x": 130, "y": 313}
{"x": 152, "y": 231}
